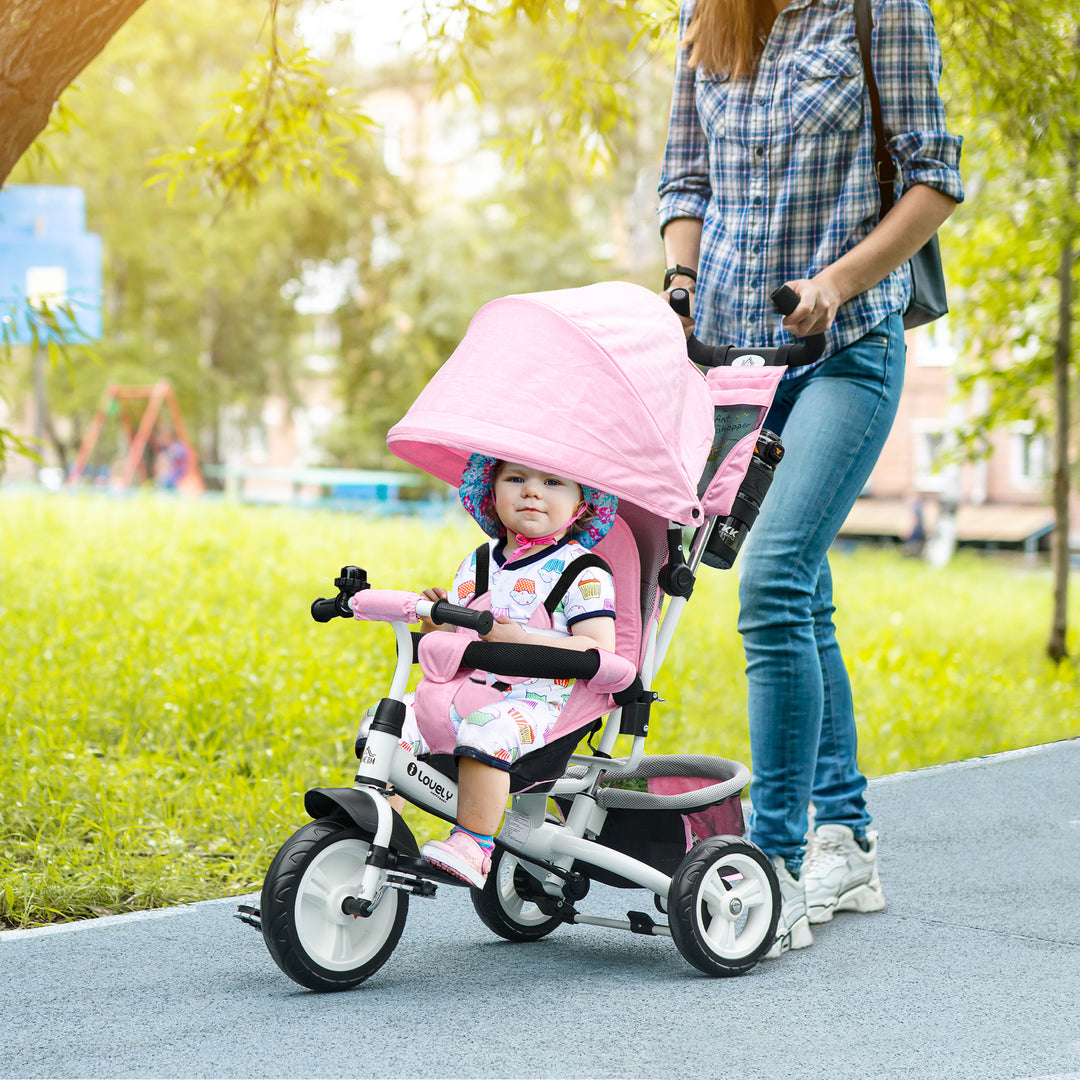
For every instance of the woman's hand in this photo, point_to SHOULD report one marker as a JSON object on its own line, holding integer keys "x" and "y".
{"x": 818, "y": 304}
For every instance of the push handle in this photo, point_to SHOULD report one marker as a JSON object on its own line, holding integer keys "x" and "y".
{"x": 786, "y": 300}
{"x": 442, "y": 611}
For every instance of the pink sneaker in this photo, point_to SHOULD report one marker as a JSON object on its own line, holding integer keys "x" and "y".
{"x": 459, "y": 854}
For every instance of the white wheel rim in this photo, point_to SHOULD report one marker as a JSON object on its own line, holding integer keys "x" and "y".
{"x": 332, "y": 939}
{"x": 733, "y": 909}
{"x": 521, "y": 911}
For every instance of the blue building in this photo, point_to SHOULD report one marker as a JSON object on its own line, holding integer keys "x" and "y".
{"x": 48, "y": 257}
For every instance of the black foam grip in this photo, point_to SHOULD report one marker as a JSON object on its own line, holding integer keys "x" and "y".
{"x": 443, "y": 611}
{"x": 786, "y": 299}
{"x": 680, "y": 302}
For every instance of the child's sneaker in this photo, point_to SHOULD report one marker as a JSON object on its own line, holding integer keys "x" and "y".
{"x": 793, "y": 929}
{"x": 840, "y": 875}
{"x": 459, "y": 854}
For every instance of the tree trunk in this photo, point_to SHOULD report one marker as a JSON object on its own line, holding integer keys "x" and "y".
{"x": 1056, "y": 647}
{"x": 44, "y": 44}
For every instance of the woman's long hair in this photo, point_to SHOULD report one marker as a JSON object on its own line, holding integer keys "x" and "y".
{"x": 726, "y": 37}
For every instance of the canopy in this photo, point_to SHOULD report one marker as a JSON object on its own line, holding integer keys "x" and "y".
{"x": 592, "y": 384}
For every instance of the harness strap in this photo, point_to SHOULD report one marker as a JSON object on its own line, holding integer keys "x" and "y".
{"x": 566, "y": 579}
{"x": 483, "y": 561}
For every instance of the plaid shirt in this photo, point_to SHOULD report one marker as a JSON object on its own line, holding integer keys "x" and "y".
{"x": 779, "y": 166}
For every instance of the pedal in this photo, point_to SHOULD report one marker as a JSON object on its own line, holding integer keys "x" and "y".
{"x": 249, "y": 915}
{"x": 415, "y": 886}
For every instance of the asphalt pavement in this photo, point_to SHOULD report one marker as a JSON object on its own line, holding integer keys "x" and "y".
{"x": 973, "y": 971}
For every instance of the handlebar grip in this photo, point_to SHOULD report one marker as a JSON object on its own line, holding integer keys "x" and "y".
{"x": 324, "y": 610}
{"x": 810, "y": 348}
{"x": 785, "y": 298}
{"x": 680, "y": 302}
{"x": 442, "y": 611}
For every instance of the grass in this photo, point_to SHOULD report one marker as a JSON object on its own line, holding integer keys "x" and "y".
{"x": 165, "y": 699}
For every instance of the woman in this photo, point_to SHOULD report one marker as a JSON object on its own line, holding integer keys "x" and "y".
{"x": 768, "y": 178}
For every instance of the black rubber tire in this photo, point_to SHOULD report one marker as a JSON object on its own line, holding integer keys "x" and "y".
{"x": 713, "y": 875}
{"x": 504, "y": 903}
{"x": 302, "y": 922}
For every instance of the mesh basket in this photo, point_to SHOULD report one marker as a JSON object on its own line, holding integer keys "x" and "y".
{"x": 686, "y": 798}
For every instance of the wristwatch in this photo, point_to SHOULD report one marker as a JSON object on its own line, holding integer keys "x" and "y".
{"x": 679, "y": 271}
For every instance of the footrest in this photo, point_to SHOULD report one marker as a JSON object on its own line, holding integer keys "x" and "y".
{"x": 249, "y": 915}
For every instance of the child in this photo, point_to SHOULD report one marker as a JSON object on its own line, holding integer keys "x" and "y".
{"x": 540, "y": 524}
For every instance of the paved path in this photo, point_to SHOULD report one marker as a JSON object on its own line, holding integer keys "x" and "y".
{"x": 972, "y": 972}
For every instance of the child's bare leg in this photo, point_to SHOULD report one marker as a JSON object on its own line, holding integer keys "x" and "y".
{"x": 482, "y": 794}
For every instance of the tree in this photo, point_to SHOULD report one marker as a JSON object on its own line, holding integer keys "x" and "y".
{"x": 193, "y": 288}
{"x": 43, "y": 47}
{"x": 1013, "y": 247}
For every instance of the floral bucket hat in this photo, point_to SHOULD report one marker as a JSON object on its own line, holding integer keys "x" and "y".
{"x": 476, "y": 496}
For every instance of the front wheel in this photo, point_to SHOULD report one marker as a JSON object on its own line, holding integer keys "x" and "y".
{"x": 310, "y": 938}
{"x": 724, "y": 905}
{"x": 507, "y": 903}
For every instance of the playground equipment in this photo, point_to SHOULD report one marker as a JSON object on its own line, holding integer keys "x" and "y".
{"x": 156, "y": 427}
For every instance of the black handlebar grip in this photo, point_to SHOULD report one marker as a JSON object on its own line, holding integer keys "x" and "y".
{"x": 786, "y": 299}
{"x": 325, "y": 610}
{"x": 680, "y": 302}
{"x": 442, "y": 611}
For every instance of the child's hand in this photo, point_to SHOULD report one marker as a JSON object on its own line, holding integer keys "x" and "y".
{"x": 507, "y": 631}
{"x": 426, "y": 625}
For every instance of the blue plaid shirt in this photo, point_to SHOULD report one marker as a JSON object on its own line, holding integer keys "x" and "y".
{"x": 779, "y": 166}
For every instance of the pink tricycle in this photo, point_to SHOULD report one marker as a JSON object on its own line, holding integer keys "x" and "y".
{"x": 594, "y": 384}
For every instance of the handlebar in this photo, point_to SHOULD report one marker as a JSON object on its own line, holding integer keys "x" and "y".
{"x": 401, "y": 605}
{"x": 792, "y": 355}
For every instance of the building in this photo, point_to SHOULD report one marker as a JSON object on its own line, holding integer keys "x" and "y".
{"x": 1000, "y": 501}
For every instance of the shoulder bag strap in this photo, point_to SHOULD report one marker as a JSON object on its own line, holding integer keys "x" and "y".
{"x": 884, "y": 166}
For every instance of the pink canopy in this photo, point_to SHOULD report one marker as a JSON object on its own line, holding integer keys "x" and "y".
{"x": 592, "y": 384}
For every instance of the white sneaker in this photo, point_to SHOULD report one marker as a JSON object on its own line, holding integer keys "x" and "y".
{"x": 839, "y": 875}
{"x": 793, "y": 929}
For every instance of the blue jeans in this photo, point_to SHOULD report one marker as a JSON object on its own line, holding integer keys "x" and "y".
{"x": 834, "y": 421}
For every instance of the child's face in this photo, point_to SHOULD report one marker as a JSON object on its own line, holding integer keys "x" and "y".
{"x": 534, "y": 503}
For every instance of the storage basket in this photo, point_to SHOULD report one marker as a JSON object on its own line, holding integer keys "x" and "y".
{"x": 687, "y": 798}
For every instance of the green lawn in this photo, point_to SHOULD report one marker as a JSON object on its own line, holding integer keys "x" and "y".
{"x": 165, "y": 698}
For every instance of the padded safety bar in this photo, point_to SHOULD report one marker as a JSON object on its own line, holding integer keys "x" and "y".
{"x": 531, "y": 661}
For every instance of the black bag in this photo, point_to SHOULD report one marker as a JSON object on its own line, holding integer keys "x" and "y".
{"x": 928, "y": 300}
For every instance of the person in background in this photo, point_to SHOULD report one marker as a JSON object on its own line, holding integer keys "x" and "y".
{"x": 768, "y": 179}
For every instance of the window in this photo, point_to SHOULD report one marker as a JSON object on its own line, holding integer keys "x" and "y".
{"x": 1029, "y": 456}
{"x": 930, "y": 444}
{"x": 935, "y": 346}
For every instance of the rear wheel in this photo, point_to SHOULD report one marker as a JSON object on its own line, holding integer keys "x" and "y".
{"x": 507, "y": 903}
{"x": 724, "y": 905}
{"x": 310, "y": 938}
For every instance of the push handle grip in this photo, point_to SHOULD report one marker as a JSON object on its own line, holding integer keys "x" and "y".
{"x": 786, "y": 299}
{"x": 680, "y": 302}
{"x": 442, "y": 611}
